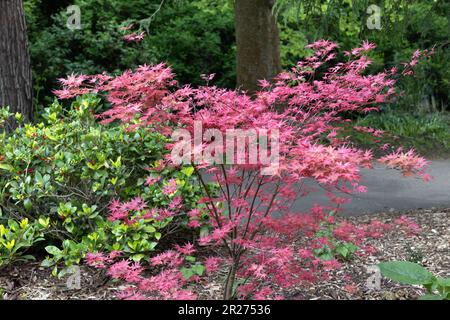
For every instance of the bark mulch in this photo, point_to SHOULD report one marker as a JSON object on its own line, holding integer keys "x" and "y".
{"x": 431, "y": 249}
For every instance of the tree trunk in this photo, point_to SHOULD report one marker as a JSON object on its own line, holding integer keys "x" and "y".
{"x": 258, "y": 43}
{"x": 230, "y": 280}
{"x": 15, "y": 66}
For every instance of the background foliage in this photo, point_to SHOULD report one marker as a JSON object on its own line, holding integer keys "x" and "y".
{"x": 194, "y": 37}
{"x": 197, "y": 37}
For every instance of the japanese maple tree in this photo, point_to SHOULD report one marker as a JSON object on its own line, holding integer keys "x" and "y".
{"x": 248, "y": 213}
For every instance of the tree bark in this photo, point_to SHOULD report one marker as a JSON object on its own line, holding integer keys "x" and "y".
{"x": 15, "y": 66}
{"x": 258, "y": 43}
{"x": 230, "y": 280}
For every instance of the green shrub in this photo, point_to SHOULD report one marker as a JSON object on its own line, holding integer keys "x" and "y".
{"x": 333, "y": 248}
{"x": 406, "y": 27}
{"x": 194, "y": 37}
{"x": 69, "y": 168}
{"x": 69, "y": 157}
{"x": 18, "y": 236}
{"x": 91, "y": 232}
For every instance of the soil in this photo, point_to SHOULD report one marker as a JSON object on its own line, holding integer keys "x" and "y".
{"x": 431, "y": 248}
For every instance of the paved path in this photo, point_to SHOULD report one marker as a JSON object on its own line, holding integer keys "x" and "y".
{"x": 389, "y": 190}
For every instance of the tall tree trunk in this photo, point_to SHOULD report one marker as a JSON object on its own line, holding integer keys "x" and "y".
{"x": 257, "y": 41}
{"x": 15, "y": 66}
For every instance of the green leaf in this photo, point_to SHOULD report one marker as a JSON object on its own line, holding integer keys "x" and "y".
{"x": 44, "y": 222}
{"x": 187, "y": 272}
{"x": 47, "y": 263}
{"x": 117, "y": 163}
{"x": 406, "y": 272}
{"x": 198, "y": 269}
{"x": 443, "y": 282}
{"x": 343, "y": 251}
{"x": 55, "y": 271}
{"x": 326, "y": 256}
{"x": 39, "y": 178}
{"x": 204, "y": 231}
{"x": 13, "y": 225}
{"x": 190, "y": 258}
{"x": 53, "y": 250}
{"x": 137, "y": 257}
{"x": 6, "y": 167}
{"x": 431, "y": 297}
{"x": 153, "y": 245}
{"x": 28, "y": 257}
{"x": 150, "y": 229}
{"x": 133, "y": 245}
{"x": 28, "y": 205}
{"x": 188, "y": 171}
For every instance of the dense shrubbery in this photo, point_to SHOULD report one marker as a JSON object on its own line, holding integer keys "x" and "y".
{"x": 194, "y": 37}
{"x": 68, "y": 168}
{"x": 16, "y": 237}
{"x": 406, "y": 26}
{"x": 68, "y": 156}
{"x": 197, "y": 37}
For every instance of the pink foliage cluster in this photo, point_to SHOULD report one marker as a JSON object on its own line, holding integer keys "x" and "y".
{"x": 374, "y": 132}
{"x": 375, "y": 229}
{"x": 169, "y": 283}
{"x": 273, "y": 259}
{"x": 407, "y": 162}
{"x": 408, "y": 225}
{"x": 305, "y": 105}
{"x": 136, "y": 209}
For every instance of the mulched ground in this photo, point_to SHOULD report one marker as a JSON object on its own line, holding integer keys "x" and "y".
{"x": 431, "y": 248}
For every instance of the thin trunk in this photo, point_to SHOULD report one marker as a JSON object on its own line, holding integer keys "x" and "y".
{"x": 15, "y": 66}
{"x": 229, "y": 281}
{"x": 258, "y": 43}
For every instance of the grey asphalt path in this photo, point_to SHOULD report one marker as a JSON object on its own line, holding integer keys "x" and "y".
{"x": 388, "y": 190}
